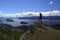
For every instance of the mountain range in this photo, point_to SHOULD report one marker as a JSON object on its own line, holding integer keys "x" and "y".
{"x": 31, "y": 17}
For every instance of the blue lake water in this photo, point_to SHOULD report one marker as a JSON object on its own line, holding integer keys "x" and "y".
{"x": 51, "y": 22}
{"x": 30, "y": 22}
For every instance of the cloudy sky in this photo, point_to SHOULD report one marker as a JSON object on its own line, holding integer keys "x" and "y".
{"x": 29, "y": 7}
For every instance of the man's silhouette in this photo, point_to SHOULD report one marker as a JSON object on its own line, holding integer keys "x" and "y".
{"x": 40, "y": 18}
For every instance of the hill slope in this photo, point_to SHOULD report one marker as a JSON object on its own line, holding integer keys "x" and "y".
{"x": 44, "y": 33}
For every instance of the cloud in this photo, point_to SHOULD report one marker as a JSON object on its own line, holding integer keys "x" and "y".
{"x": 51, "y": 13}
{"x": 28, "y": 14}
{"x": 51, "y": 2}
{"x": 23, "y": 14}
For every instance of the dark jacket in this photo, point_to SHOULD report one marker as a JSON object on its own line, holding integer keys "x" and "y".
{"x": 40, "y": 16}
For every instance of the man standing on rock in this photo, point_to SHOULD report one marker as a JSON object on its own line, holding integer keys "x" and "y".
{"x": 40, "y": 18}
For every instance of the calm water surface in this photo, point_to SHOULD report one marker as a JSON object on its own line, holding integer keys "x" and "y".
{"x": 30, "y": 22}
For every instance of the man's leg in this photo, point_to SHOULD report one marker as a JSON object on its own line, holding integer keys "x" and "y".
{"x": 41, "y": 21}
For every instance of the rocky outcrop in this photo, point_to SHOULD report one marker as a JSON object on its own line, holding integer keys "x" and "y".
{"x": 43, "y": 33}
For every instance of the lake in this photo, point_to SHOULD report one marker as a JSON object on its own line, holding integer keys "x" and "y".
{"x": 30, "y": 22}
